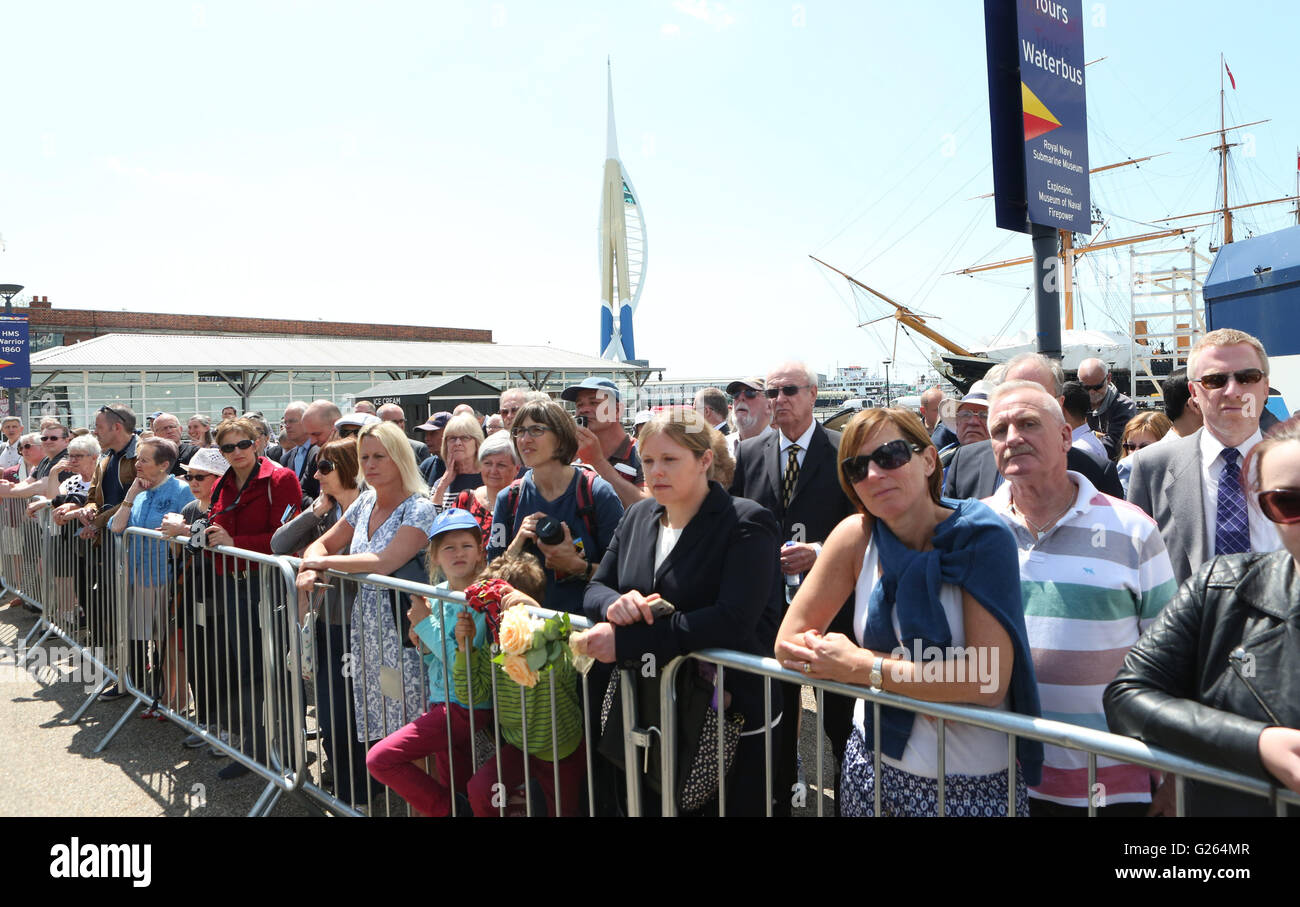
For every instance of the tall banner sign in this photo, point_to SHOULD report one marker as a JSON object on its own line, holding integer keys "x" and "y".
{"x": 15, "y": 366}
{"x": 1038, "y": 111}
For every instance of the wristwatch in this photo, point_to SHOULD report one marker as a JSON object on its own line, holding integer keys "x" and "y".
{"x": 876, "y": 678}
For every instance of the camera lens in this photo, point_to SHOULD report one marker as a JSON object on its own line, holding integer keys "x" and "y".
{"x": 581, "y": 420}
{"x": 550, "y": 531}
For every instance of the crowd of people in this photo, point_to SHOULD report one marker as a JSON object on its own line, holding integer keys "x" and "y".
{"x": 1033, "y": 545}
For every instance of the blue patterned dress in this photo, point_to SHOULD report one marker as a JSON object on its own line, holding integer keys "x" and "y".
{"x": 378, "y": 658}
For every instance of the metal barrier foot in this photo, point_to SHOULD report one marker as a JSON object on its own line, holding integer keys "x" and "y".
{"x": 27, "y": 640}
{"x": 76, "y": 716}
{"x": 266, "y": 802}
{"x": 135, "y": 703}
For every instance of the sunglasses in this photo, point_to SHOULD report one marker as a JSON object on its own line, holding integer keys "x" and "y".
{"x": 1095, "y": 387}
{"x": 192, "y": 477}
{"x": 748, "y": 393}
{"x": 1217, "y": 380}
{"x": 51, "y": 437}
{"x": 238, "y": 445}
{"x": 1130, "y": 446}
{"x": 324, "y": 467}
{"x": 348, "y": 431}
{"x": 789, "y": 390}
{"x": 890, "y": 455}
{"x": 533, "y": 431}
{"x": 1281, "y": 505}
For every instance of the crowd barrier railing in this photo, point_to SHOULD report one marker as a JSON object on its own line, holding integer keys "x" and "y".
{"x": 1092, "y": 742}
{"x": 222, "y": 643}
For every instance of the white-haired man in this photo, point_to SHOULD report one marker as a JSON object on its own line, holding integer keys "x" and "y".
{"x": 1093, "y": 575}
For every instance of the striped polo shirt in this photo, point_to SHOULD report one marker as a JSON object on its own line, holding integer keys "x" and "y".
{"x": 1090, "y": 586}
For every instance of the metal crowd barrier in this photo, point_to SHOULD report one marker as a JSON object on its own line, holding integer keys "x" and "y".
{"x": 1092, "y": 742}
{"x": 203, "y": 637}
{"x": 222, "y": 643}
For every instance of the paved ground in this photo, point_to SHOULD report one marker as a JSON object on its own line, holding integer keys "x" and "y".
{"x": 51, "y": 769}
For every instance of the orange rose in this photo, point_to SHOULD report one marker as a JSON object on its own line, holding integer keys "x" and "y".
{"x": 517, "y": 629}
{"x": 516, "y": 668}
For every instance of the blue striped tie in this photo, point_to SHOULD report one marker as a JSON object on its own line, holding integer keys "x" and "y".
{"x": 1232, "y": 526}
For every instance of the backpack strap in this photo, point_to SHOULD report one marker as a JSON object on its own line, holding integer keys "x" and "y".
{"x": 587, "y": 500}
{"x": 512, "y": 501}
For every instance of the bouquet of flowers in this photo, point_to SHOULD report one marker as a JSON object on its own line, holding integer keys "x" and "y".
{"x": 526, "y": 645}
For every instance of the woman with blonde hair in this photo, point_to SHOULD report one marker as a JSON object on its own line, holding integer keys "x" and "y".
{"x": 461, "y": 440}
{"x": 1142, "y": 430}
{"x": 693, "y": 546}
{"x": 386, "y": 531}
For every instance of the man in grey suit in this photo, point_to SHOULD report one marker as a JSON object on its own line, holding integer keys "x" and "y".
{"x": 973, "y": 470}
{"x": 1193, "y": 487}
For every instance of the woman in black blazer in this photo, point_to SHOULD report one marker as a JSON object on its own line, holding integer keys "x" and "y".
{"x": 715, "y": 559}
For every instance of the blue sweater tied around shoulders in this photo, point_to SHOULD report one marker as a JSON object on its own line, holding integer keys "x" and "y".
{"x": 973, "y": 549}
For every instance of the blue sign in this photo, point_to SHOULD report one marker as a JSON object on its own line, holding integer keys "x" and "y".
{"x": 15, "y": 367}
{"x": 1054, "y": 113}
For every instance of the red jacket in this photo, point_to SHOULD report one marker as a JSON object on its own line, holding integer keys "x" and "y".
{"x": 271, "y": 498}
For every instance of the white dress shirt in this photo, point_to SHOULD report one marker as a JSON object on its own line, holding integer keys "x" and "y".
{"x": 1083, "y": 438}
{"x": 1263, "y": 534}
{"x": 803, "y": 441}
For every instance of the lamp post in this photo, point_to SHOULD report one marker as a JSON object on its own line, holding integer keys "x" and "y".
{"x": 9, "y": 291}
{"x": 888, "y": 402}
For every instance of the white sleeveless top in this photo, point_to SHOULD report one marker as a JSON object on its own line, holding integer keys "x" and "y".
{"x": 970, "y": 750}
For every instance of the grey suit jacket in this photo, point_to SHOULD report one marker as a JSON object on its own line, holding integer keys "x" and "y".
{"x": 973, "y": 472}
{"x": 1166, "y": 483}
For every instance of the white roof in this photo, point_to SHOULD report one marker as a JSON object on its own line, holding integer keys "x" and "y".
{"x": 188, "y": 352}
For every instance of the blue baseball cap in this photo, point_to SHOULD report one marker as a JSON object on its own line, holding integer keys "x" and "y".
{"x": 454, "y": 518}
{"x": 594, "y": 384}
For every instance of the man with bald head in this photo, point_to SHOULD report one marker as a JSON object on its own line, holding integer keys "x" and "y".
{"x": 941, "y": 435}
{"x": 1111, "y": 410}
{"x": 165, "y": 425}
{"x": 391, "y": 412}
{"x": 364, "y": 406}
{"x": 973, "y": 471}
{"x": 1093, "y": 575}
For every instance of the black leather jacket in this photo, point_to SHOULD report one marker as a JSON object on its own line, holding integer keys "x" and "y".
{"x": 1220, "y": 664}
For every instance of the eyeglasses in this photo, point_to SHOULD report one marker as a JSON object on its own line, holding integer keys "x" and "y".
{"x": 977, "y": 415}
{"x": 1131, "y": 446}
{"x": 890, "y": 455}
{"x": 1217, "y": 380}
{"x": 199, "y": 477}
{"x": 453, "y": 440}
{"x": 789, "y": 390}
{"x": 348, "y": 431}
{"x": 748, "y": 393}
{"x": 533, "y": 431}
{"x": 324, "y": 467}
{"x": 25, "y": 446}
{"x": 1095, "y": 387}
{"x": 1281, "y": 505}
{"x": 51, "y": 437}
{"x": 238, "y": 445}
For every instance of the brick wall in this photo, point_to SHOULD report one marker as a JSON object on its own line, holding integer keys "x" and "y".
{"x": 83, "y": 324}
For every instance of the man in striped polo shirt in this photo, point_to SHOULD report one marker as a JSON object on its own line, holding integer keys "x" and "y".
{"x": 1093, "y": 574}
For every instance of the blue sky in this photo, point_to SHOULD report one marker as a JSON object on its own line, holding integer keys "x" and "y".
{"x": 440, "y": 163}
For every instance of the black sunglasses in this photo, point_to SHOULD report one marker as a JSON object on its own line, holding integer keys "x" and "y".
{"x": 1095, "y": 387}
{"x": 348, "y": 431}
{"x": 748, "y": 393}
{"x": 1281, "y": 505}
{"x": 324, "y": 467}
{"x": 890, "y": 455}
{"x": 238, "y": 445}
{"x": 788, "y": 389}
{"x": 1217, "y": 380}
{"x": 1131, "y": 447}
{"x": 51, "y": 437}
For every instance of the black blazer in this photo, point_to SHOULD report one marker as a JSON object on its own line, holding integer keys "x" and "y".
{"x": 714, "y": 577}
{"x": 973, "y": 472}
{"x": 818, "y": 504}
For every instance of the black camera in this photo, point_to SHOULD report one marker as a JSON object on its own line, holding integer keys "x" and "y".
{"x": 581, "y": 420}
{"x": 550, "y": 531}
